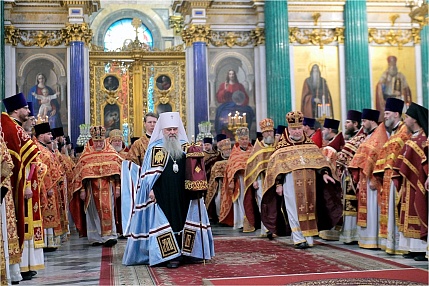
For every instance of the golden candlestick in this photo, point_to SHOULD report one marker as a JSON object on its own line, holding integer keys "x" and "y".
{"x": 236, "y": 121}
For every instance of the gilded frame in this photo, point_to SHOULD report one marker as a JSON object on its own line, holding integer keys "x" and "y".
{"x": 134, "y": 70}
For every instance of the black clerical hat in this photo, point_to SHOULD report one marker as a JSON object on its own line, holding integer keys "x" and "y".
{"x": 420, "y": 114}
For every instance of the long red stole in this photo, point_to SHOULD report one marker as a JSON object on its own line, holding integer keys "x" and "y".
{"x": 23, "y": 152}
{"x": 256, "y": 164}
{"x": 51, "y": 204}
{"x": 33, "y": 211}
{"x": 383, "y": 172}
{"x": 231, "y": 188}
{"x": 218, "y": 171}
{"x": 362, "y": 166}
{"x": 411, "y": 172}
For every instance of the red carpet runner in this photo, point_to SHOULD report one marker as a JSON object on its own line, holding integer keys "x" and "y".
{"x": 250, "y": 256}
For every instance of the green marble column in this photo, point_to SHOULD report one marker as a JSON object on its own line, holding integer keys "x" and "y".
{"x": 425, "y": 64}
{"x": 279, "y": 99}
{"x": 358, "y": 81}
{"x": 2, "y": 71}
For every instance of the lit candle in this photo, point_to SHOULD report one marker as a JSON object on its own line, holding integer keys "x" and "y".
{"x": 323, "y": 105}
{"x": 229, "y": 119}
{"x": 244, "y": 118}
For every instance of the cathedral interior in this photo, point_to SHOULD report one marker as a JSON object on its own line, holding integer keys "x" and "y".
{"x": 108, "y": 62}
{"x": 222, "y": 64}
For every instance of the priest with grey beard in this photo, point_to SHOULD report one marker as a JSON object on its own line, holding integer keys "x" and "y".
{"x": 158, "y": 222}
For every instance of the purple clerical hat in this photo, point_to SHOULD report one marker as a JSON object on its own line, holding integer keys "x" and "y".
{"x": 331, "y": 123}
{"x": 15, "y": 102}
{"x": 30, "y": 107}
{"x": 220, "y": 137}
{"x": 394, "y": 105}
{"x": 310, "y": 122}
{"x": 354, "y": 115}
{"x": 207, "y": 140}
{"x": 370, "y": 114}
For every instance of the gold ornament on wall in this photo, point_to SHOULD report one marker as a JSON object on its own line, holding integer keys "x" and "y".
{"x": 258, "y": 36}
{"x": 11, "y": 35}
{"x": 317, "y": 37}
{"x": 394, "y": 37}
{"x": 29, "y": 38}
{"x": 176, "y": 23}
{"x": 230, "y": 39}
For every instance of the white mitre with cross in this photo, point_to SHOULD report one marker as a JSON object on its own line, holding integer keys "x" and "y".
{"x": 168, "y": 120}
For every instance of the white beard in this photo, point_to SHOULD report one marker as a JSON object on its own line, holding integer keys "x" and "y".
{"x": 269, "y": 140}
{"x": 173, "y": 147}
{"x": 117, "y": 148}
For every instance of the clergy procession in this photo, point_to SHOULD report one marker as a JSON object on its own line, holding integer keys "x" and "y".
{"x": 361, "y": 182}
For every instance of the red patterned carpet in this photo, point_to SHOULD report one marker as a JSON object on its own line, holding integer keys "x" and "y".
{"x": 409, "y": 276}
{"x": 259, "y": 261}
{"x": 251, "y": 256}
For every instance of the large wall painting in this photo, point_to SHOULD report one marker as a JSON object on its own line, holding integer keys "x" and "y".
{"x": 42, "y": 77}
{"x": 231, "y": 78}
{"x": 393, "y": 75}
{"x": 317, "y": 81}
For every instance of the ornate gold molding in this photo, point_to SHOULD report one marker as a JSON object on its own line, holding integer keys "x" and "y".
{"x": 176, "y": 23}
{"x": 31, "y": 38}
{"x": 196, "y": 33}
{"x": 258, "y": 36}
{"x": 77, "y": 32}
{"x": 42, "y": 38}
{"x": 317, "y": 37}
{"x": 394, "y": 37}
{"x": 11, "y": 35}
{"x": 230, "y": 39}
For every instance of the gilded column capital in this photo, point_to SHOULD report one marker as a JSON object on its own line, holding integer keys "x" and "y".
{"x": 176, "y": 23}
{"x": 11, "y": 35}
{"x": 258, "y": 36}
{"x": 196, "y": 33}
{"x": 77, "y": 32}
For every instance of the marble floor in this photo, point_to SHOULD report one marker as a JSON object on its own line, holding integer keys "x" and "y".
{"x": 76, "y": 262}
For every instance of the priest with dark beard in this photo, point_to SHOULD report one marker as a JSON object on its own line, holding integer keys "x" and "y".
{"x": 164, "y": 203}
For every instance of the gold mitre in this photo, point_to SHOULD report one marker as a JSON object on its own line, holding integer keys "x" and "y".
{"x": 242, "y": 132}
{"x": 294, "y": 119}
{"x": 97, "y": 132}
{"x": 224, "y": 145}
{"x": 116, "y": 134}
{"x": 266, "y": 124}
